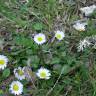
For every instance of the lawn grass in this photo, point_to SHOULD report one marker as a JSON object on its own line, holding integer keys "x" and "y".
{"x": 72, "y": 72}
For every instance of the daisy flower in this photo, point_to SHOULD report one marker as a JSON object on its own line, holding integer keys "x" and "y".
{"x": 59, "y": 35}
{"x": 80, "y": 26}
{"x": 16, "y": 88}
{"x": 40, "y": 38}
{"x": 88, "y": 10}
{"x": 83, "y": 44}
{"x": 43, "y": 73}
{"x": 19, "y": 73}
{"x": 3, "y": 61}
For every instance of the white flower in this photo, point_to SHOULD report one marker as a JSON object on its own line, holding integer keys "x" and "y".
{"x": 59, "y": 35}
{"x": 40, "y": 38}
{"x": 27, "y": 1}
{"x": 88, "y": 10}
{"x": 80, "y": 26}
{"x": 83, "y": 44}
{"x": 19, "y": 73}
{"x": 16, "y": 88}
{"x": 43, "y": 73}
{"x": 3, "y": 61}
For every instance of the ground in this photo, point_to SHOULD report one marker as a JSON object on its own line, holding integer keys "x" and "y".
{"x": 73, "y": 73}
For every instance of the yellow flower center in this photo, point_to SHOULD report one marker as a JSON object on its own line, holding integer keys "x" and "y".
{"x": 2, "y": 62}
{"x": 20, "y": 72}
{"x": 40, "y": 39}
{"x": 43, "y": 74}
{"x": 58, "y": 36}
{"x": 15, "y": 87}
{"x": 81, "y": 30}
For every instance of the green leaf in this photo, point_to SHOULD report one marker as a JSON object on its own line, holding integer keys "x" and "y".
{"x": 1, "y": 93}
{"x": 27, "y": 42}
{"x": 35, "y": 61}
{"x": 6, "y": 73}
{"x": 55, "y": 60}
{"x": 38, "y": 26}
{"x": 57, "y": 68}
{"x": 65, "y": 69}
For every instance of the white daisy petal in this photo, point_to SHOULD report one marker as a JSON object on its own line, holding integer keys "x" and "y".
{"x": 19, "y": 73}
{"x": 80, "y": 26}
{"x": 43, "y": 73}
{"x": 88, "y": 10}
{"x": 16, "y": 88}
{"x": 59, "y": 35}
{"x": 83, "y": 44}
{"x": 40, "y": 38}
{"x": 3, "y": 62}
